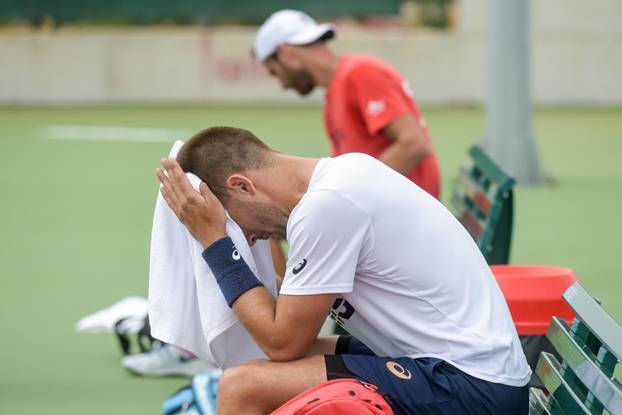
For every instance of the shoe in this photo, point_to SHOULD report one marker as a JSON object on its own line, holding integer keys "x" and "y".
{"x": 165, "y": 360}
{"x": 104, "y": 321}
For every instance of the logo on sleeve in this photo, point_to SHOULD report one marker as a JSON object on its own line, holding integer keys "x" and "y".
{"x": 300, "y": 266}
{"x": 235, "y": 255}
{"x": 376, "y": 107}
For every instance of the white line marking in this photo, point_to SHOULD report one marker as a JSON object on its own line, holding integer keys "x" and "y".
{"x": 114, "y": 133}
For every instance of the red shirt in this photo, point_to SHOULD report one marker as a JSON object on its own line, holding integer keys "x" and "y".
{"x": 364, "y": 96}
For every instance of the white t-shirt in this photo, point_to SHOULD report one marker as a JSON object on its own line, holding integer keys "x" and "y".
{"x": 410, "y": 279}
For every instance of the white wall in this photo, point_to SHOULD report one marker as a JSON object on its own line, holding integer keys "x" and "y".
{"x": 576, "y": 48}
{"x": 576, "y": 59}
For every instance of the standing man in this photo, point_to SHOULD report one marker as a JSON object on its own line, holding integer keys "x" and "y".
{"x": 369, "y": 108}
{"x": 385, "y": 258}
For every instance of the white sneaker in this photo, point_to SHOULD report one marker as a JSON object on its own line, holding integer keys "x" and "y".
{"x": 103, "y": 321}
{"x": 165, "y": 360}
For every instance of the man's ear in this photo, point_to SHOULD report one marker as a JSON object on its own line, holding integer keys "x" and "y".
{"x": 241, "y": 184}
{"x": 287, "y": 54}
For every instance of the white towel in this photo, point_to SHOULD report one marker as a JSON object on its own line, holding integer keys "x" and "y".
{"x": 186, "y": 307}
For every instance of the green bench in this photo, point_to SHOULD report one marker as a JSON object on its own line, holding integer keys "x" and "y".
{"x": 584, "y": 382}
{"x": 483, "y": 202}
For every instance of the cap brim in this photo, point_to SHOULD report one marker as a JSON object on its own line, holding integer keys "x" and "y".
{"x": 313, "y": 34}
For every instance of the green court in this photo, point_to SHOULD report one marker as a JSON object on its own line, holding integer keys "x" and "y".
{"x": 78, "y": 190}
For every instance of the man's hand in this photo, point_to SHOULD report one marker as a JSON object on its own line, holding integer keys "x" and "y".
{"x": 203, "y": 214}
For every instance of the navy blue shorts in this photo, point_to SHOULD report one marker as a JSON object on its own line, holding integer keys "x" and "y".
{"x": 424, "y": 386}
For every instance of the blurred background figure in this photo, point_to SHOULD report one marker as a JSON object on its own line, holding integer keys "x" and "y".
{"x": 93, "y": 94}
{"x": 369, "y": 107}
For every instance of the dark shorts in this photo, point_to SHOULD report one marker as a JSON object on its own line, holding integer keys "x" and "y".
{"x": 425, "y": 385}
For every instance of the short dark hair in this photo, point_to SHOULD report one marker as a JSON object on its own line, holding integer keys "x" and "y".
{"x": 216, "y": 153}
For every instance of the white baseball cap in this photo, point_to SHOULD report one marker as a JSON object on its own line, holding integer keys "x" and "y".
{"x": 292, "y": 27}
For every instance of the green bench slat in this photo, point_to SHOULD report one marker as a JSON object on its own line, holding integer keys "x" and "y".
{"x": 550, "y": 372}
{"x": 600, "y": 323}
{"x": 474, "y": 192}
{"x": 538, "y": 402}
{"x": 467, "y": 215}
{"x": 584, "y": 367}
{"x": 473, "y": 225}
{"x": 585, "y": 382}
{"x": 483, "y": 201}
{"x": 492, "y": 169}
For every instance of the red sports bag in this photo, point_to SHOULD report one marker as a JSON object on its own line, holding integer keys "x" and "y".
{"x": 337, "y": 397}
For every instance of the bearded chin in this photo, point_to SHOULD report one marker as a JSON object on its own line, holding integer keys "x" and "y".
{"x": 304, "y": 83}
{"x": 306, "y": 90}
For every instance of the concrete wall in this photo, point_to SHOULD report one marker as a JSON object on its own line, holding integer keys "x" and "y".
{"x": 576, "y": 59}
{"x": 576, "y": 48}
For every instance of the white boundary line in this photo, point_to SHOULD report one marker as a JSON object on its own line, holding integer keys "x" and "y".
{"x": 114, "y": 133}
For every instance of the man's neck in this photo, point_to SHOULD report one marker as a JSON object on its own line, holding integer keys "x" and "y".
{"x": 289, "y": 180}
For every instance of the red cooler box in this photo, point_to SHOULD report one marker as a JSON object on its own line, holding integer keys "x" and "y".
{"x": 534, "y": 296}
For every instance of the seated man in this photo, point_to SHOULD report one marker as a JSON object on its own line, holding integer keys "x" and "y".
{"x": 385, "y": 258}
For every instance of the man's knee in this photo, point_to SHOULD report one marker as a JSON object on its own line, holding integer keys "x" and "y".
{"x": 239, "y": 380}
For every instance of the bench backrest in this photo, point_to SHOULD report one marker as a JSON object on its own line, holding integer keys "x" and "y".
{"x": 483, "y": 202}
{"x": 584, "y": 381}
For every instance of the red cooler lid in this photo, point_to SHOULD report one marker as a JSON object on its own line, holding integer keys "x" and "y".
{"x": 534, "y": 294}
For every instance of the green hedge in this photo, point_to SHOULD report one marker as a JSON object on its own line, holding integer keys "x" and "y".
{"x": 183, "y": 11}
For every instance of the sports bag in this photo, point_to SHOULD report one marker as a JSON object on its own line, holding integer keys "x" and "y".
{"x": 198, "y": 398}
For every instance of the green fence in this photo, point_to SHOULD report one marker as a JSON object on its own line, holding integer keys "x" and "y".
{"x": 183, "y": 11}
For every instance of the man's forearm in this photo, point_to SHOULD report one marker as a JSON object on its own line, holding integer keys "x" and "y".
{"x": 244, "y": 293}
{"x": 285, "y": 329}
{"x": 256, "y": 310}
{"x": 282, "y": 331}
